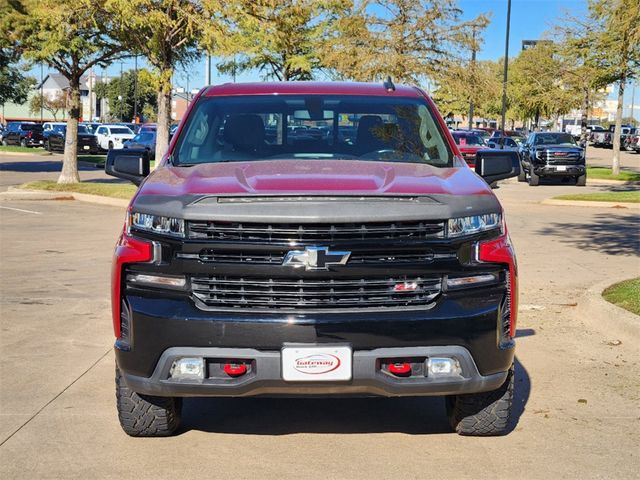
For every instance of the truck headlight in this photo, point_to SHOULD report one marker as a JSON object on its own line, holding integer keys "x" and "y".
{"x": 458, "y": 227}
{"x": 157, "y": 224}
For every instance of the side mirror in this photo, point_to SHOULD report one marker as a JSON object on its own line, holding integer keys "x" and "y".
{"x": 494, "y": 165}
{"x": 130, "y": 164}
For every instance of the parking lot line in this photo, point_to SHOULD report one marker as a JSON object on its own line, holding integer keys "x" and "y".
{"x": 21, "y": 210}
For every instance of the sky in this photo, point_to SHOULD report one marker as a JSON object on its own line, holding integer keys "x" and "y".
{"x": 529, "y": 20}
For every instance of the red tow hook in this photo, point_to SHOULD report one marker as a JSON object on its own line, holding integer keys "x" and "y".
{"x": 400, "y": 368}
{"x": 235, "y": 369}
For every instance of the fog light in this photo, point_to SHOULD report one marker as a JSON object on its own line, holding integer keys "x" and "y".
{"x": 469, "y": 281}
{"x": 443, "y": 367}
{"x": 188, "y": 369}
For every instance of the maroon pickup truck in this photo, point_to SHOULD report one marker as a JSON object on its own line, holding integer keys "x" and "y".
{"x": 314, "y": 239}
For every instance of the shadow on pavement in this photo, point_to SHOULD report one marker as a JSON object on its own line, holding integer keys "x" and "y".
{"x": 39, "y": 166}
{"x": 285, "y": 416}
{"x": 607, "y": 233}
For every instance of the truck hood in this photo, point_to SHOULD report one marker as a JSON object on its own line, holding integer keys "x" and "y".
{"x": 294, "y": 177}
{"x": 314, "y": 191}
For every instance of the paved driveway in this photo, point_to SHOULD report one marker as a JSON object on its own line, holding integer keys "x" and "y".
{"x": 577, "y": 391}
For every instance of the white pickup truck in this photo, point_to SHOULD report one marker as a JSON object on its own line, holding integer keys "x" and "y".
{"x": 112, "y": 137}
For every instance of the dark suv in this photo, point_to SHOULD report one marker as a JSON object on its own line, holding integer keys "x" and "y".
{"x": 552, "y": 154}
{"x": 256, "y": 263}
{"x": 25, "y": 134}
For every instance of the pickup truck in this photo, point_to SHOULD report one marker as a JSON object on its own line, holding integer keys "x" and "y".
{"x": 370, "y": 260}
{"x": 604, "y": 138}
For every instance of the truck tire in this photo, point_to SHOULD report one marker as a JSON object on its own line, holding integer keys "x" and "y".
{"x": 522, "y": 176}
{"x": 23, "y": 143}
{"x": 146, "y": 415}
{"x": 482, "y": 414}
{"x": 534, "y": 180}
{"x": 581, "y": 181}
{"x": 110, "y": 145}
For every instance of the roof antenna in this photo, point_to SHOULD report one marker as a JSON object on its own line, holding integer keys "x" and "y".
{"x": 388, "y": 85}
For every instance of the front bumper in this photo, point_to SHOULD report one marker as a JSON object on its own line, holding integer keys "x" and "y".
{"x": 460, "y": 324}
{"x": 559, "y": 170}
{"x": 265, "y": 376}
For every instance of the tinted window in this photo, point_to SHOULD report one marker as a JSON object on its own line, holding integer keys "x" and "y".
{"x": 554, "y": 139}
{"x": 83, "y": 129}
{"x": 465, "y": 139}
{"x": 32, "y": 127}
{"x": 60, "y": 128}
{"x": 121, "y": 131}
{"x": 144, "y": 137}
{"x": 312, "y": 127}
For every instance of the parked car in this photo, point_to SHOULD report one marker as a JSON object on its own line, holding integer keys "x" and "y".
{"x": 604, "y": 138}
{"x": 87, "y": 141}
{"x": 469, "y": 144}
{"x": 134, "y": 127}
{"x": 633, "y": 142}
{"x": 148, "y": 127}
{"x": 316, "y": 267}
{"x": 113, "y": 136}
{"x": 505, "y": 143}
{"x": 50, "y": 128}
{"x": 145, "y": 140}
{"x": 552, "y": 154}
{"x": 92, "y": 126}
{"x": 516, "y": 135}
{"x": 25, "y": 134}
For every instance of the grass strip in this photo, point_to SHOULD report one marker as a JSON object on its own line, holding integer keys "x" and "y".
{"x": 625, "y": 295}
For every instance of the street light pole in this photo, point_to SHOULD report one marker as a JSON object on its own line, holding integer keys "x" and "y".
{"x": 506, "y": 72}
{"x": 473, "y": 66}
{"x": 121, "y": 93}
{"x": 41, "y": 92}
{"x": 135, "y": 88}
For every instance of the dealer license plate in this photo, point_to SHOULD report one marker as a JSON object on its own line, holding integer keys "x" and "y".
{"x": 561, "y": 168}
{"x": 316, "y": 364}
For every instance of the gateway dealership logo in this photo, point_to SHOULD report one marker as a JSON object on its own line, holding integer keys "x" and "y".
{"x": 317, "y": 363}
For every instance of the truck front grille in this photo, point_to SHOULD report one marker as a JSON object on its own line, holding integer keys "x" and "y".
{"x": 420, "y": 257}
{"x": 561, "y": 158}
{"x": 313, "y": 233}
{"x": 275, "y": 293}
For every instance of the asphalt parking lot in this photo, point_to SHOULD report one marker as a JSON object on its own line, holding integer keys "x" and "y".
{"x": 577, "y": 383}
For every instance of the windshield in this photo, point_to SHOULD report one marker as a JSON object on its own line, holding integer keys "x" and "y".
{"x": 468, "y": 139}
{"x": 31, "y": 127}
{"x": 246, "y": 128}
{"x": 555, "y": 139}
{"x": 121, "y": 130}
{"x": 143, "y": 137}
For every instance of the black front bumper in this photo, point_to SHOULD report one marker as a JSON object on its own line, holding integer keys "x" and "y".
{"x": 265, "y": 377}
{"x": 468, "y": 321}
{"x": 559, "y": 170}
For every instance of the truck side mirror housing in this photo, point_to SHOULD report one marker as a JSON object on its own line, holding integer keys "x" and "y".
{"x": 494, "y": 165}
{"x": 130, "y": 164}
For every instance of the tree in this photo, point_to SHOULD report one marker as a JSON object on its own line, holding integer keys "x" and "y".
{"x": 536, "y": 87}
{"x": 125, "y": 87}
{"x": 280, "y": 39}
{"x": 14, "y": 85}
{"x": 69, "y": 36}
{"x": 166, "y": 33}
{"x": 51, "y": 104}
{"x": 615, "y": 39}
{"x": 410, "y": 40}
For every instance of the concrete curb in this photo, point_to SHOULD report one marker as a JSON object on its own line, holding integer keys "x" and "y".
{"x": 14, "y": 193}
{"x": 587, "y": 203}
{"x": 24, "y": 154}
{"x": 603, "y": 181}
{"x": 595, "y": 310}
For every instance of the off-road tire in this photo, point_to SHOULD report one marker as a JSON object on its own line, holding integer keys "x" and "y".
{"x": 581, "y": 181}
{"x": 482, "y": 414}
{"x": 146, "y": 415}
{"x": 534, "y": 180}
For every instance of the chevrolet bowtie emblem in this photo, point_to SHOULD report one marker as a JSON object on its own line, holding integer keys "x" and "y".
{"x": 315, "y": 258}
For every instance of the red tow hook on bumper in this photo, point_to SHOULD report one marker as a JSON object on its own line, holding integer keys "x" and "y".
{"x": 400, "y": 368}
{"x": 235, "y": 369}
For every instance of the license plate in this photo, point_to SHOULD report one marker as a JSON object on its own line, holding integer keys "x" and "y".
{"x": 316, "y": 364}
{"x": 561, "y": 168}
{"x": 86, "y": 147}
